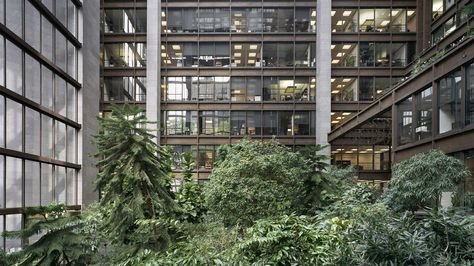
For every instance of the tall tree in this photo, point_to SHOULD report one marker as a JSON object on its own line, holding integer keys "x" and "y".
{"x": 133, "y": 179}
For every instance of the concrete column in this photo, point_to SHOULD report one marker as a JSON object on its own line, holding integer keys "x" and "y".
{"x": 153, "y": 64}
{"x": 88, "y": 100}
{"x": 323, "y": 73}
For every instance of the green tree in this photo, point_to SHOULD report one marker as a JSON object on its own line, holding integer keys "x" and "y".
{"x": 419, "y": 181}
{"x": 190, "y": 197}
{"x": 60, "y": 242}
{"x": 254, "y": 180}
{"x": 133, "y": 180}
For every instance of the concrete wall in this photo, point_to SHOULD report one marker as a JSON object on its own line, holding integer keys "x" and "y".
{"x": 323, "y": 73}
{"x": 89, "y": 96}
{"x": 153, "y": 63}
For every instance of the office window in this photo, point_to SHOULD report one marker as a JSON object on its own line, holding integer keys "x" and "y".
{"x": 71, "y": 59}
{"x": 124, "y": 55}
{"x": 366, "y": 88}
{"x": 125, "y": 20}
{"x": 14, "y": 128}
{"x": 221, "y": 88}
{"x": 449, "y": 101}
{"x": 278, "y": 19}
{"x": 411, "y": 20}
{"x": 2, "y": 189}
{"x": 302, "y": 124}
{"x": 214, "y": 122}
{"x": 285, "y": 123}
{"x": 206, "y": 88}
{"x": 254, "y": 123}
{"x": 181, "y": 122}
{"x": 382, "y": 19}
{"x": 270, "y": 54}
{"x": 46, "y": 184}
{"x": 61, "y": 11}
{"x": 405, "y": 121}
{"x": 366, "y": 20}
{"x": 438, "y": 8}
{"x": 254, "y": 89}
{"x": 182, "y": 20}
{"x": 13, "y": 182}
{"x": 344, "y": 20}
{"x": 303, "y": 21}
{"x": 382, "y": 86}
{"x": 399, "y": 20}
{"x": 302, "y": 89}
{"x": 14, "y": 65}
{"x": 423, "y": 109}
{"x": 399, "y": 54}
{"x": 206, "y": 156}
{"x": 278, "y": 54}
{"x": 214, "y": 54}
{"x": 238, "y": 123}
{"x": 32, "y": 79}
{"x": 180, "y": 55}
{"x": 32, "y": 132}
{"x": 344, "y": 54}
{"x": 32, "y": 183}
{"x": 2, "y": 60}
{"x": 14, "y": 16}
{"x": 305, "y": 55}
{"x": 238, "y": 89}
{"x": 214, "y": 20}
{"x": 344, "y": 89}
{"x": 470, "y": 94}
{"x": 246, "y": 20}
{"x": 12, "y": 223}
{"x": 180, "y": 89}
{"x": 382, "y": 54}
{"x": 366, "y": 53}
{"x": 32, "y": 26}
{"x": 123, "y": 89}
{"x": 246, "y": 54}
{"x": 270, "y": 122}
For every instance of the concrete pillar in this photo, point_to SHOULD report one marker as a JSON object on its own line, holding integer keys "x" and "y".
{"x": 88, "y": 100}
{"x": 153, "y": 64}
{"x": 323, "y": 73}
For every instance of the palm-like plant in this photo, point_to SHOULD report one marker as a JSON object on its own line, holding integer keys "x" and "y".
{"x": 60, "y": 243}
{"x": 134, "y": 177}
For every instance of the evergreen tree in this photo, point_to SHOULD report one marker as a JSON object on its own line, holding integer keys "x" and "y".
{"x": 133, "y": 180}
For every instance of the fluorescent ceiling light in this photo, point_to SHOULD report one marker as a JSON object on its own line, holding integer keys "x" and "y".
{"x": 237, "y": 54}
{"x": 332, "y": 80}
{"x": 346, "y": 80}
{"x": 335, "y": 122}
{"x": 313, "y": 14}
{"x": 346, "y": 47}
{"x": 333, "y": 46}
{"x": 163, "y": 54}
{"x": 335, "y": 92}
{"x": 340, "y": 54}
{"x": 340, "y": 22}
{"x": 347, "y": 13}
{"x": 346, "y": 114}
{"x": 176, "y": 47}
{"x": 333, "y": 13}
{"x": 410, "y": 12}
{"x": 251, "y": 61}
{"x": 253, "y": 47}
{"x": 332, "y": 113}
{"x": 335, "y": 61}
{"x": 237, "y": 47}
{"x": 395, "y": 12}
{"x": 163, "y": 14}
{"x": 384, "y": 23}
{"x": 252, "y": 54}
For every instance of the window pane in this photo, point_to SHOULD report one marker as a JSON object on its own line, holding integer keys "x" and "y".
{"x": 302, "y": 19}
{"x": 71, "y": 59}
{"x": 71, "y": 180}
{"x": 32, "y": 79}
{"x": 366, "y": 53}
{"x": 60, "y": 184}
{"x": 2, "y": 189}
{"x": 14, "y": 16}
{"x": 238, "y": 89}
{"x": 2, "y": 122}
{"x": 46, "y": 184}
{"x": 222, "y": 88}
{"x": 285, "y": 55}
{"x": 424, "y": 114}
{"x": 46, "y": 38}
{"x": 71, "y": 17}
{"x": 46, "y": 87}
{"x": 60, "y": 96}
{"x": 32, "y": 26}
{"x": 60, "y": 141}
{"x": 14, "y": 125}
{"x": 344, "y": 89}
{"x": 470, "y": 95}
{"x": 399, "y": 23}
{"x": 71, "y": 144}
{"x": 32, "y": 134}
{"x": 366, "y": 88}
{"x": 71, "y": 102}
{"x": 270, "y": 123}
{"x": 303, "y": 56}
{"x": 399, "y": 54}
{"x": 285, "y": 123}
{"x": 254, "y": 89}
{"x": 344, "y": 20}
{"x": 382, "y": 19}
{"x": 181, "y": 122}
{"x": 12, "y": 223}
{"x": 32, "y": 183}
{"x": 366, "y": 20}
{"x": 254, "y": 123}
{"x": 14, "y": 63}
{"x": 344, "y": 54}
{"x": 238, "y": 123}
{"x": 382, "y": 54}
{"x": 450, "y": 102}
{"x": 46, "y": 136}
{"x": 246, "y": 54}
{"x": 405, "y": 117}
{"x": 13, "y": 182}
{"x": 270, "y": 54}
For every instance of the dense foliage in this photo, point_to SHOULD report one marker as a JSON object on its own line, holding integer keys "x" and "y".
{"x": 267, "y": 206}
{"x": 255, "y": 180}
{"x": 419, "y": 181}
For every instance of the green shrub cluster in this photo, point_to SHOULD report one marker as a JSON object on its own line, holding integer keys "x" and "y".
{"x": 264, "y": 205}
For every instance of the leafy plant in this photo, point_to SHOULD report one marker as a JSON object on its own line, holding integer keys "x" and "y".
{"x": 419, "y": 181}
{"x": 190, "y": 197}
{"x": 59, "y": 242}
{"x": 255, "y": 180}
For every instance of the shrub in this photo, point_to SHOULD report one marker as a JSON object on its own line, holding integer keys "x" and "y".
{"x": 418, "y": 181}
{"x": 255, "y": 180}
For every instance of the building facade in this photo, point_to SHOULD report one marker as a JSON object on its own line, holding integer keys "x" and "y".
{"x": 432, "y": 105}
{"x": 48, "y": 85}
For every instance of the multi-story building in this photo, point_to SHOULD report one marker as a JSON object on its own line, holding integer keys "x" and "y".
{"x": 49, "y": 78}
{"x": 217, "y": 71}
{"x": 430, "y": 107}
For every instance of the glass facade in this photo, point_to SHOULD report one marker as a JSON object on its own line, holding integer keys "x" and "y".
{"x": 39, "y": 108}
